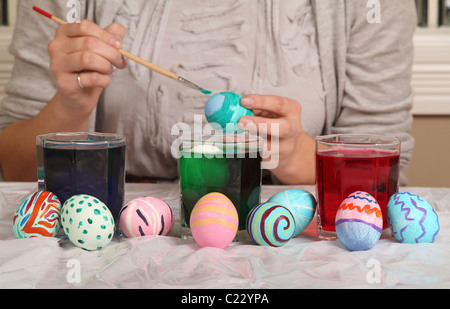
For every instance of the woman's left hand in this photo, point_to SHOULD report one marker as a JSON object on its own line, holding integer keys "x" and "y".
{"x": 279, "y": 119}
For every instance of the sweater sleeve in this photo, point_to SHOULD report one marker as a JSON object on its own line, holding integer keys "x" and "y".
{"x": 31, "y": 85}
{"x": 377, "y": 95}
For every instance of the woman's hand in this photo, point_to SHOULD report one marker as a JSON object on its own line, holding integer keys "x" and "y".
{"x": 279, "y": 119}
{"x": 83, "y": 49}
{"x": 90, "y": 52}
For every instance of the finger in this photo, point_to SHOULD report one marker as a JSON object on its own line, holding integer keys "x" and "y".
{"x": 87, "y": 79}
{"x": 280, "y": 127}
{"x": 92, "y": 44}
{"x": 89, "y": 28}
{"x": 118, "y": 30}
{"x": 94, "y": 79}
{"x": 264, "y": 114}
{"x": 82, "y": 61}
{"x": 274, "y": 104}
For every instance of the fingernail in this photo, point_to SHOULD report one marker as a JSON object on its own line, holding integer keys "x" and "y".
{"x": 245, "y": 121}
{"x": 123, "y": 64}
{"x": 246, "y": 124}
{"x": 115, "y": 42}
{"x": 248, "y": 102}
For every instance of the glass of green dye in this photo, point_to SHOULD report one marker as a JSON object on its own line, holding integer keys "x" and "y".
{"x": 226, "y": 163}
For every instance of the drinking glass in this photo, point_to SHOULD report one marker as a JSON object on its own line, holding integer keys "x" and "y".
{"x": 225, "y": 163}
{"x": 83, "y": 163}
{"x": 349, "y": 163}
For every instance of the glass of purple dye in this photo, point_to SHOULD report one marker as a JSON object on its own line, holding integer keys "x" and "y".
{"x": 83, "y": 163}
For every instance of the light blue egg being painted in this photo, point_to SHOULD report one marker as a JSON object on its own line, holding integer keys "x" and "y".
{"x": 301, "y": 204}
{"x": 412, "y": 219}
{"x": 224, "y": 110}
{"x": 214, "y": 105}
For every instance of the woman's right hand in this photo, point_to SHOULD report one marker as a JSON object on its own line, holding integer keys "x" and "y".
{"x": 86, "y": 50}
{"x": 83, "y": 49}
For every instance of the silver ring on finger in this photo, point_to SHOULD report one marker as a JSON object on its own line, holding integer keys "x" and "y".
{"x": 79, "y": 81}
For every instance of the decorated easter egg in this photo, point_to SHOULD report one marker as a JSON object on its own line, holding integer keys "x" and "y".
{"x": 87, "y": 222}
{"x": 224, "y": 110}
{"x": 300, "y": 203}
{"x": 359, "y": 222}
{"x": 412, "y": 219}
{"x": 214, "y": 221}
{"x": 38, "y": 215}
{"x": 270, "y": 224}
{"x": 146, "y": 216}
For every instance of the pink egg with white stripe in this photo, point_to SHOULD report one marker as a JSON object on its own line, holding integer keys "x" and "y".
{"x": 146, "y": 216}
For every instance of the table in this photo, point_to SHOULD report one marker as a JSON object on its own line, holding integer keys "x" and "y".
{"x": 174, "y": 263}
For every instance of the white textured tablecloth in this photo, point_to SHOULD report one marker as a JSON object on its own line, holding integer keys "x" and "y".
{"x": 170, "y": 262}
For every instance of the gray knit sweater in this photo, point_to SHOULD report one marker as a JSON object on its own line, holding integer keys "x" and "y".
{"x": 350, "y": 76}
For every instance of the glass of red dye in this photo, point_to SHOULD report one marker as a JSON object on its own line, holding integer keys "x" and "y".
{"x": 346, "y": 163}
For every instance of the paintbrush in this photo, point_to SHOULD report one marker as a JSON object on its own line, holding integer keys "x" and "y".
{"x": 141, "y": 61}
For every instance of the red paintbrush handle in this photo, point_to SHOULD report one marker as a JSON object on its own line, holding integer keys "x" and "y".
{"x": 46, "y": 14}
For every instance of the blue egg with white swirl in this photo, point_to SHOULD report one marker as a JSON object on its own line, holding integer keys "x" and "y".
{"x": 412, "y": 219}
{"x": 300, "y": 203}
{"x": 224, "y": 110}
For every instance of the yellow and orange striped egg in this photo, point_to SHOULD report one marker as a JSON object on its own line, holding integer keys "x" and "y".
{"x": 214, "y": 221}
